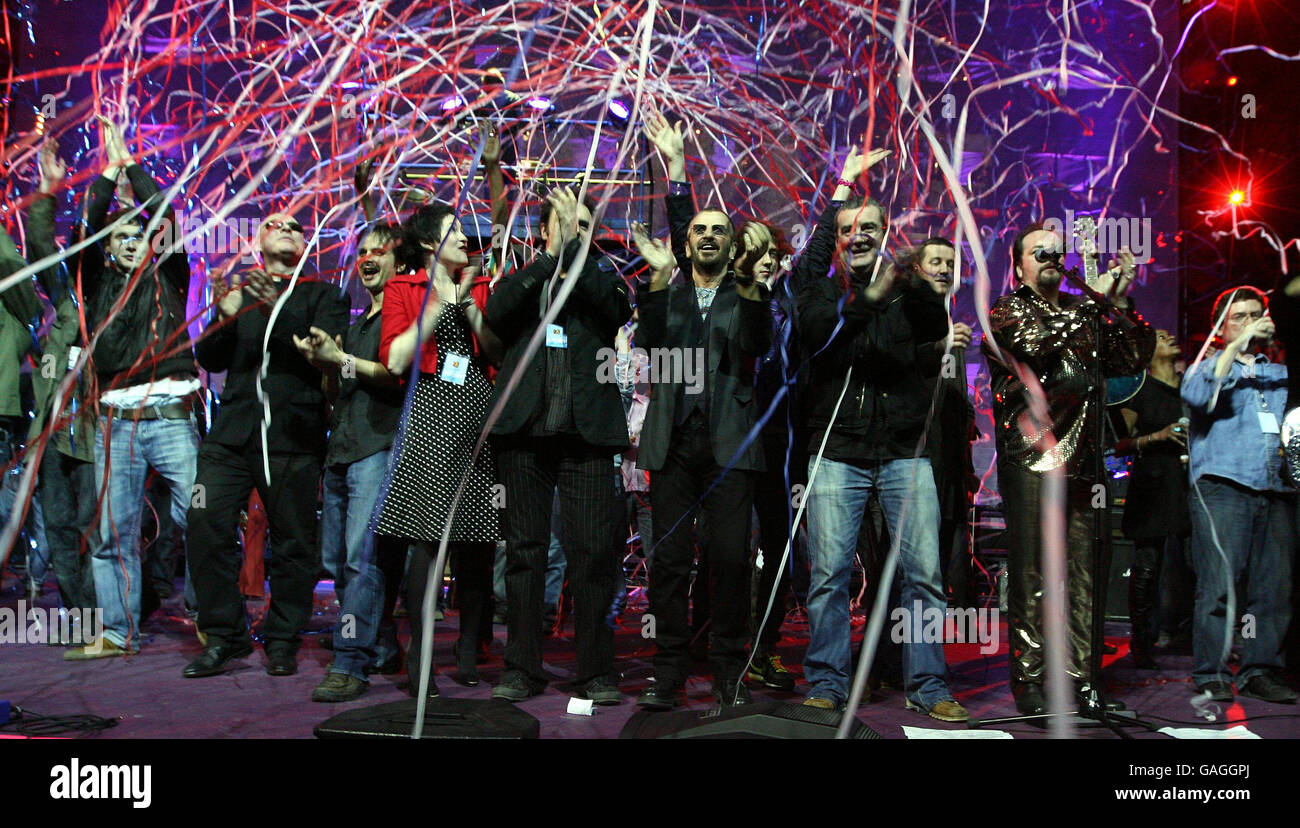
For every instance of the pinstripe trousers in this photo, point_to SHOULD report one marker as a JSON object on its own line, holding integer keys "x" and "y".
{"x": 531, "y": 469}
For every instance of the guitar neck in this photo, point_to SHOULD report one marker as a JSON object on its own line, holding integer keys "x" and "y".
{"x": 1090, "y": 270}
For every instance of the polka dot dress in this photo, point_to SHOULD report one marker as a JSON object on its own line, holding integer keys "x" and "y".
{"x": 439, "y": 439}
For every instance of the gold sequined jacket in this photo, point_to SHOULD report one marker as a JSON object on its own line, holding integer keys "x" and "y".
{"x": 1058, "y": 346}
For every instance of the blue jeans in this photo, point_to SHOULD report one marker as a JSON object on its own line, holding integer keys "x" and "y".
{"x": 836, "y": 504}
{"x": 1254, "y": 531}
{"x": 38, "y": 559}
{"x": 350, "y": 494}
{"x": 363, "y": 636}
{"x": 555, "y": 561}
{"x": 171, "y": 447}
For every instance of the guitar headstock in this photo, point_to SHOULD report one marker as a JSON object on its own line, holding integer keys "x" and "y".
{"x": 1085, "y": 242}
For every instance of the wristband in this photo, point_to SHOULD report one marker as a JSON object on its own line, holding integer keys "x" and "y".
{"x": 348, "y": 367}
{"x": 844, "y": 183}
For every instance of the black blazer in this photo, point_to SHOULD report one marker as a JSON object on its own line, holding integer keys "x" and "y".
{"x": 740, "y": 332}
{"x": 298, "y": 408}
{"x": 591, "y": 318}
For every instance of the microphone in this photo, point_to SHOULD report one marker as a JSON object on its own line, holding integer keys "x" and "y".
{"x": 1181, "y": 429}
{"x": 1042, "y": 255}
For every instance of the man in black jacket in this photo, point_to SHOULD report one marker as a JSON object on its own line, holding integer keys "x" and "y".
{"x": 694, "y": 438}
{"x": 952, "y": 427}
{"x": 562, "y": 427}
{"x": 861, "y": 330}
{"x": 241, "y": 448}
{"x": 147, "y": 384}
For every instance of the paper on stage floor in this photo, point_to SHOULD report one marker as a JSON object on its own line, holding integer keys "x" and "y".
{"x": 933, "y": 733}
{"x": 1235, "y": 732}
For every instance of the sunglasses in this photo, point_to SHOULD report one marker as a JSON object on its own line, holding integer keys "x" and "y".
{"x": 291, "y": 226}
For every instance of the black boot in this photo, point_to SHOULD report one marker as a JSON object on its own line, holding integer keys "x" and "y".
{"x": 1143, "y": 603}
{"x": 472, "y": 564}
{"x": 474, "y": 604}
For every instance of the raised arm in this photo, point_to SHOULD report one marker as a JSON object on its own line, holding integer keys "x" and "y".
{"x": 361, "y": 183}
{"x": 40, "y": 221}
{"x": 678, "y": 200}
{"x": 497, "y": 195}
{"x": 817, "y": 257}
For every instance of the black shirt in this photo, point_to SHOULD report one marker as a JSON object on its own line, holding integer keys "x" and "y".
{"x": 364, "y": 418}
{"x": 1156, "y": 504}
{"x": 556, "y": 416}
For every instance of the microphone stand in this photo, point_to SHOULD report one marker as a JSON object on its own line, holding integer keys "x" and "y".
{"x": 1092, "y": 706}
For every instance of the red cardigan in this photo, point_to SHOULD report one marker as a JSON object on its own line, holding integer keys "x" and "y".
{"x": 403, "y": 297}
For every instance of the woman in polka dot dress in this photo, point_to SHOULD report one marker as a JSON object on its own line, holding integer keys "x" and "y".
{"x": 444, "y": 331}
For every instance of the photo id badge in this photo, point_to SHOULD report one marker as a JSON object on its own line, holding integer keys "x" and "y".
{"x": 1268, "y": 422}
{"x": 555, "y": 337}
{"x": 454, "y": 368}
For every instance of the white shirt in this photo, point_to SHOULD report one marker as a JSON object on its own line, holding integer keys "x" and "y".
{"x": 149, "y": 394}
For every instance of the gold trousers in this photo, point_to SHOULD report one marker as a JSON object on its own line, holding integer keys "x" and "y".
{"x": 1022, "y": 506}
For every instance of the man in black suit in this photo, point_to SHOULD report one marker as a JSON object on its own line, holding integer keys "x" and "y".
{"x": 235, "y": 457}
{"x": 695, "y": 427}
{"x": 562, "y": 427}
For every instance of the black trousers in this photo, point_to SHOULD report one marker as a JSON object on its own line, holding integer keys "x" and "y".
{"x": 1144, "y": 595}
{"x": 677, "y": 493}
{"x": 873, "y": 551}
{"x": 67, "y": 495}
{"x": 472, "y": 565}
{"x": 225, "y": 479}
{"x": 164, "y": 545}
{"x": 531, "y": 469}
{"x": 958, "y": 565}
{"x": 773, "y": 502}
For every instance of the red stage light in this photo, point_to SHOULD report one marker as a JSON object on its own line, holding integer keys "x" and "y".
{"x": 1237, "y": 197}
{"x": 1232, "y": 81}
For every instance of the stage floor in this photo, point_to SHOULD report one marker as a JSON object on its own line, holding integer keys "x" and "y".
{"x": 148, "y": 696}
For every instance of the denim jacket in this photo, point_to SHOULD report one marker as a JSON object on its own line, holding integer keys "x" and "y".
{"x": 1227, "y": 437}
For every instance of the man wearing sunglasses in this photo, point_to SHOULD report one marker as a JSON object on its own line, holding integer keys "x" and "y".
{"x": 1045, "y": 343}
{"x": 239, "y": 450}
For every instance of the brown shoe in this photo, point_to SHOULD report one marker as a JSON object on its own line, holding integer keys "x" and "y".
{"x": 819, "y": 703}
{"x": 338, "y": 687}
{"x": 945, "y": 711}
{"x": 99, "y": 648}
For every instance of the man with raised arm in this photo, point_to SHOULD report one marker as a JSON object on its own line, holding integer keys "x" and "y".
{"x": 147, "y": 382}
{"x": 708, "y": 333}
{"x": 67, "y": 471}
{"x": 1242, "y": 510}
{"x": 862, "y": 329}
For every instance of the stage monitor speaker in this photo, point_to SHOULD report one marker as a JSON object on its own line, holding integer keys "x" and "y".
{"x": 443, "y": 719}
{"x": 763, "y": 720}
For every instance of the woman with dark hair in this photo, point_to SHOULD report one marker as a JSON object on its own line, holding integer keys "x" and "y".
{"x": 433, "y": 318}
{"x": 1156, "y": 514}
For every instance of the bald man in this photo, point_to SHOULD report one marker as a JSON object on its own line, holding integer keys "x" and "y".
{"x": 231, "y": 463}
